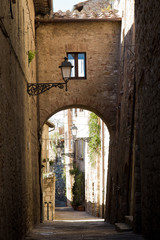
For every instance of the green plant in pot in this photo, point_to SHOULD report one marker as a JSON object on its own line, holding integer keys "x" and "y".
{"x": 78, "y": 189}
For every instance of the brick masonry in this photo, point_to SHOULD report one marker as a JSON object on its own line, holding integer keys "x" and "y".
{"x": 100, "y": 41}
{"x": 133, "y": 187}
{"x": 148, "y": 113}
{"x": 120, "y": 195}
{"x": 19, "y": 168}
{"x": 98, "y": 93}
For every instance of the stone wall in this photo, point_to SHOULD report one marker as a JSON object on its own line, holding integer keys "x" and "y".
{"x": 147, "y": 23}
{"x": 133, "y": 187}
{"x": 19, "y": 167}
{"x": 100, "y": 41}
{"x": 119, "y": 199}
{"x": 49, "y": 198}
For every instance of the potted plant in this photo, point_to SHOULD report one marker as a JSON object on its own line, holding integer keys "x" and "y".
{"x": 78, "y": 189}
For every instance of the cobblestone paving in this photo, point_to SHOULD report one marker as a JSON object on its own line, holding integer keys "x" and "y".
{"x": 71, "y": 225}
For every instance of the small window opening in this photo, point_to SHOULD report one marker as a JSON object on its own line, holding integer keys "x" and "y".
{"x": 78, "y": 61}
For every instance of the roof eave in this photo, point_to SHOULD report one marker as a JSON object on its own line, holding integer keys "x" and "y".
{"x": 58, "y": 20}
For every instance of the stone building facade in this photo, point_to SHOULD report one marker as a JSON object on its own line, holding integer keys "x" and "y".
{"x": 133, "y": 185}
{"x": 49, "y": 198}
{"x": 45, "y": 146}
{"x": 120, "y": 175}
{"x": 99, "y": 39}
{"x": 122, "y": 87}
{"x": 147, "y": 117}
{"x": 19, "y": 164}
{"x": 125, "y": 195}
{"x": 95, "y": 191}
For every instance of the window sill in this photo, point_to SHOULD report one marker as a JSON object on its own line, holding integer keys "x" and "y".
{"x": 77, "y": 78}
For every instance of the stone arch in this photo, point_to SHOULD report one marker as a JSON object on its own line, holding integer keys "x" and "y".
{"x": 98, "y": 92}
{"x": 97, "y": 207}
{"x": 56, "y": 110}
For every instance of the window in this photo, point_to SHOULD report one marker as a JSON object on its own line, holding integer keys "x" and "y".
{"x": 78, "y": 61}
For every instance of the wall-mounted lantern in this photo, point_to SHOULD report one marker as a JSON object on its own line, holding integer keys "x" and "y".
{"x": 38, "y": 88}
{"x": 66, "y": 68}
{"x": 74, "y": 131}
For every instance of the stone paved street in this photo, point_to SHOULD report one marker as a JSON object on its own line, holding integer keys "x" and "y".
{"x": 70, "y": 224}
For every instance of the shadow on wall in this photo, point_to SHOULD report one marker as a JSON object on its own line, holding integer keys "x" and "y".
{"x": 19, "y": 168}
{"x": 121, "y": 167}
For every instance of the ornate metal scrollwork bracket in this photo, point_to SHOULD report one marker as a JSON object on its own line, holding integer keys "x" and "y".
{"x": 35, "y": 89}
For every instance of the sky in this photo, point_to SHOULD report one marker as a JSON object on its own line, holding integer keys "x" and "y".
{"x": 57, "y": 119}
{"x": 64, "y": 4}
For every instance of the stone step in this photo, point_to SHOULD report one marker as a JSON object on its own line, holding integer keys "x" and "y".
{"x": 129, "y": 220}
{"x": 122, "y": 227}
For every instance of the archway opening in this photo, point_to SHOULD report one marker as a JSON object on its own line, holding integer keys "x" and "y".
{"x": 74, "y": 164}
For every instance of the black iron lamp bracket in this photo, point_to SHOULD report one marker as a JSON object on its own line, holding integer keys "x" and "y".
{"x": 35, "y": 89}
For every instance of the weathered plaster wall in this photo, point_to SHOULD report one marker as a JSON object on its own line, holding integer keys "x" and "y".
{"x": 19, "y": 170}
{"x": 100, "y": 41}
{"x": 147, "y": 23}
{"x": 95, "y": 191}
{"x": 45, "y": 148}
{"x": 68, "y": 149}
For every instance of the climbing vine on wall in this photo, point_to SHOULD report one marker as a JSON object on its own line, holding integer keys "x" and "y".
{"x": 31, "y": 55}
{"x": 94, "y": 134}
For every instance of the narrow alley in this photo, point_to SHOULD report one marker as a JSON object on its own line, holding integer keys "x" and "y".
{"x": 70, "y": 224}
{"x": 97, "y": 65}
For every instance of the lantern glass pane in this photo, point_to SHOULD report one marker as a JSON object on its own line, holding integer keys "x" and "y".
{"x": 66, "y": 72}
{"x": 71, "y": 59}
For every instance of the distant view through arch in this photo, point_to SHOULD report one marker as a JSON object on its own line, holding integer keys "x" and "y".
{"x": 74, "y": 163}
